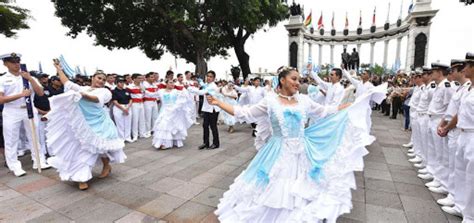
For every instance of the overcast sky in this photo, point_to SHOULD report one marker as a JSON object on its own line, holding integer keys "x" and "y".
{"x": 452, "y": 35}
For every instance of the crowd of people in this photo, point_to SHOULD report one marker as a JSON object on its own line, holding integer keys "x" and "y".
{"x": 303, "y": 127}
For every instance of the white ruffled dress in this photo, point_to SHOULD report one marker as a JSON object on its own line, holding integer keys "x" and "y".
{"x": 298, "y": 174}
{"x": 79, "y": 132}
{"x": 176, "y": 116}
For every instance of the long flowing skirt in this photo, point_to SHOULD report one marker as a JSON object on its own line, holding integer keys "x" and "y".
{"x": 75, "y": 146}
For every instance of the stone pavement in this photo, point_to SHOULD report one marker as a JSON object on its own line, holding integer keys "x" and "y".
{"x": 184, "y": 185}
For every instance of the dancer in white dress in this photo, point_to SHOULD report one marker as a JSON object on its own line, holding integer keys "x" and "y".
{"x": 175, "y": 118}
{"x": 80, "y": 133}
{"x": 298, "y": 174}
{"x": 230, "y": 97}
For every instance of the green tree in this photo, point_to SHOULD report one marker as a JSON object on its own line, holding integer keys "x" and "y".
{"x": 12, "y": 18}
{"x": 183, "y": 27}
{"x": 193, "y": 30}
{"x": 241, "y": 19}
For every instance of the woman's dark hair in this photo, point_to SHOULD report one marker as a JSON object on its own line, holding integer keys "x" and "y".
{"x": 212, "y": 72}
{"x": 168, "y": 81}
{"x": 179, "y": 75}
{"x": 283, "y": 72}
{"x": 99, "y": 72}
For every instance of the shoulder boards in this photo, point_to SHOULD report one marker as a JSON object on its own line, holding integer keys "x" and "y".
{"x": 447, "y": 84}
{"x": 433, "y": 85}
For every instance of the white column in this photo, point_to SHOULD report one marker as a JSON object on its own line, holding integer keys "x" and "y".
{"x": 332, "y": 55}
{"x": 358, "y": 49}
{"x": 310, "y": 54}
{"x": 320, "y": 59}
{"x": 399, "y": 44}
{"x": 372, "y": 46}
{"x": 385, "y": 53}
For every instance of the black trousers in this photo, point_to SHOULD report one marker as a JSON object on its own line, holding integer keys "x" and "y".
{"x": 396, "y": 106}
{"x": 210, "y": 120}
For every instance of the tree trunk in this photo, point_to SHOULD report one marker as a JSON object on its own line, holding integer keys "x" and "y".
{"x": 201, "y": 66}
{"x": 243, "y": 58}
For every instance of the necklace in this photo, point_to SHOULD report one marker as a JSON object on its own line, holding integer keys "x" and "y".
{"x": 289, "y": 98}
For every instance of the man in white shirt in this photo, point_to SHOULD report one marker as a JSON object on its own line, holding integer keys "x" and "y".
{"x": 334, "y": 89}
{"x": 362, "y": 85}
{"x": 210, "y": 113}
{"x": 12, "y": 95}
{"x": 255, "y": 93}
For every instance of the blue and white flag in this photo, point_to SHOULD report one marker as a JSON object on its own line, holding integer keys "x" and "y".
{"x": 66, "y": 68}
{"x": 85, "y": 72}
{"x": 78, "y": 70}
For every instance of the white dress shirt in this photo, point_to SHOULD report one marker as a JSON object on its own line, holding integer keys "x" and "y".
{"x": 334, "y": 92}
{"x": 206, "y": 107}
{"x": 255, "y": 94}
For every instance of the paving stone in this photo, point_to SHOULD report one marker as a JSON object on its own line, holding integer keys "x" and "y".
{"x": 358, "y": 195}
{"x": 51, "y": 217}
{"x": 380, "y": 185}
{"x": 419, "y": 205}
{"x": 377, "y": 214}
{"x": 209, "y": 197}
{"x": 223, "y": 169}
{"x": 413, "y": 191}
{"x": 109, "y": 212}
{"x": 377, "y": 174}
{"x": 428, "y": 217}
{"x": 136, "y": 216}
{"x": 166, "y": 184}
{"x": 15, "y": 209}
{"x": 224, "y": 183}
{"x": 207, "y": 179}
{"x": 189, "y": 212}
{"x": 357, "y": 212}
{"x": 59, "y": 195}
{"x": 210, "y": 218}
{"x": 188, "y": 190}
{"x": 7, "y": 193}
{"x": 162, "y": 206}
{"x": 406, "y": 176}
{"x": 129, "y": 195}
{"x": 147, "y": 179}
{"x": 375, "y": 166}
{"x": 128, "y": 175}
{"x": 347, "y": 220}
{"x": 383, "y": 199}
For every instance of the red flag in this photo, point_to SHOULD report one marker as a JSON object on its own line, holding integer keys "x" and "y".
{"x": 320, "y": 22}
{"x": 373, "y": 17}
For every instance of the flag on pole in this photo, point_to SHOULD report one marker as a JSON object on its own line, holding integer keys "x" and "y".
{"x": 360, "y": 19}
{"x": 410, "y": 8}
{"x": 40, "y": 68}
{"x": 332, "y": 21}
{"x": 309, "y": 19}
{"x": 320, "y": 22}
{"x": 85, "y": 72}
{"x": 347, "y": 22}
{"x": 388, "y": 14}
{"x": 373, "y": 17}
{"x": 66, "y": 68}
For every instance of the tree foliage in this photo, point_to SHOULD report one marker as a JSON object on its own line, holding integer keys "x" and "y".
{"x": 12, "y": 18}
{"x": 193, "y": 30}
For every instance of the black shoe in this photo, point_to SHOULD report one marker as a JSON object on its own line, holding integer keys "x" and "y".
{"x": 203, "y": 146}
{"x": 213, "y": 147}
